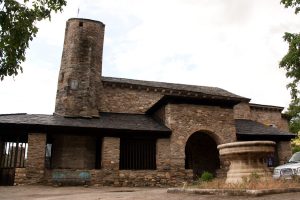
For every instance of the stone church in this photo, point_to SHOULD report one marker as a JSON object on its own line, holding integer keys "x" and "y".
{"x": 123, "y": 132}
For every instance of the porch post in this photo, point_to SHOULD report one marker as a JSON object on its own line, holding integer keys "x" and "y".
{"x": 110, "y": 153}
{"x": 35, "y": 165}
{"x": 163, "y": 154}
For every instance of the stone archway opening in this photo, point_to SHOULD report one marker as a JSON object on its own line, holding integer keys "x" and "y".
{"x": 201, "y": 154}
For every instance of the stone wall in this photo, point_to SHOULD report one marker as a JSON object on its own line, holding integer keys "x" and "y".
{"x": 269, "y": 117}
{"x": 127, "y": 100}
{"x": 242, "y": 111}
{"x": 130, "y": 178}
{"x": 284, "y": 151}
{"x": 35, "y": 165}
{"x": 186, "y": 119}
{"x": 160, "y": 116}
{"x": 73, "y": 152}
{"x": 264, "y": 115}
{"x": 20, "y": 176}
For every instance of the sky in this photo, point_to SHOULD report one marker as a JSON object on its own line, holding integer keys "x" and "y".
{"x": 231, "y": 44}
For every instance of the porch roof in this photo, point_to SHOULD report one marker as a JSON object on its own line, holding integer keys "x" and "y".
{"x": 247, "y": 128}
{"x": 117, "y": 122}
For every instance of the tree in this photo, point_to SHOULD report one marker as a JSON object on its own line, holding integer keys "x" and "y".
{"x": 291, "y": 63}
{"x": 293, "y": 113}
{"x": 18, "y": 27}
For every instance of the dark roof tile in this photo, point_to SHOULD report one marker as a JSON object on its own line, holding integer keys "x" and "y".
{"x": 116, "y": 121}
{"x": 212, "y": 91}
{"x": 249, "y": 127}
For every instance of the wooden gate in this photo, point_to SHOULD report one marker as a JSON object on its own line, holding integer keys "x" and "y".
{"x": 13, "y": 156}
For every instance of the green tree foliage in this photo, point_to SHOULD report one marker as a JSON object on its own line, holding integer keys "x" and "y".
{"x": 291, "y": 63}
{"x": 18, "y": 26}
{"x": 294, "y": 113}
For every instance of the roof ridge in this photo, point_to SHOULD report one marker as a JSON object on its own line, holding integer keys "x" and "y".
{"x": 163, "y": 82}
{"x": 206, "y": 90}
{"x": 8, "y": 114}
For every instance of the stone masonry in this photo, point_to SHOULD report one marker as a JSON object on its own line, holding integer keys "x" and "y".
{"x": 71, "y": 152}
{"x": 284, "y": 151}
{"x": 127, "y": 100}
{"x": 110, "y": 153}
{"x": 36, "y": 158}
{"x": 79, "y": 83}
{"x": 269, "y": 117}
{"x": 185, "y": 120}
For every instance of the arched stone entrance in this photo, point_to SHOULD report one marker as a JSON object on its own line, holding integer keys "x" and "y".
{"x": 201, "y": 154}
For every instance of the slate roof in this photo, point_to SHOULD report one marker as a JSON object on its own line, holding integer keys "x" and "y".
{"x": 266, "y": 107}
{"x": 107, "y": 121}
{"x": 205, "y": 90}
{"x": 249, "y": 127}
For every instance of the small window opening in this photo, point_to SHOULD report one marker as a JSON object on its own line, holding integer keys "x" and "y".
{"x": 48, "y": 156}
{"x": 80, "y": 23}
{"x": 74, "y": 84}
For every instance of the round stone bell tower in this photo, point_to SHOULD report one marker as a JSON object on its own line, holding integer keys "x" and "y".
{"x": 79, "y": 82}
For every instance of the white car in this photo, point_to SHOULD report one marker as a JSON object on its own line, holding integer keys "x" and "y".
{"x": 290, "y": 169}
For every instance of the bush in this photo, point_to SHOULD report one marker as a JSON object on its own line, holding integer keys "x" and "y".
{"x": 206, "y": 176}
{"x": 295, "y": 148}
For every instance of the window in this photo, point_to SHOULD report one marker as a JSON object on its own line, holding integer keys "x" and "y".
{"x": 14, "y": 155}
{"x": 48, "y": 156}
{"x": 138, "y": 154}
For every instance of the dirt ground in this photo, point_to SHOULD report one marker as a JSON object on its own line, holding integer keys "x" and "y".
{"x": 112, "y": 193}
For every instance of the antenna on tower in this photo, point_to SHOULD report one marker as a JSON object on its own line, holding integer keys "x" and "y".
{"x": 78, "y": 12}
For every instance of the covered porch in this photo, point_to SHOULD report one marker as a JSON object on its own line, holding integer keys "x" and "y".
{"x": 42, "y": 148}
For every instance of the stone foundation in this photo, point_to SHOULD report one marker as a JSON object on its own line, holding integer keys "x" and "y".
{"x": 20, "y": 176}
{"x": 132, "y": 178}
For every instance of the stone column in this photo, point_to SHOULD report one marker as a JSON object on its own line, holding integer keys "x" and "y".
{"x": 35, "y": 165}
{"x": 110, "y": 153}
{"x": 163, "y": 154}
{"x": 284, "y": 150}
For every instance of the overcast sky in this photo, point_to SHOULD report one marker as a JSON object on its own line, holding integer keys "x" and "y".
{"x": 232, "y": 44}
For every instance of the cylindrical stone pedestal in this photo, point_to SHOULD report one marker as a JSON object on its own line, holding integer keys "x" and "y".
{"x": 246, "y": 158}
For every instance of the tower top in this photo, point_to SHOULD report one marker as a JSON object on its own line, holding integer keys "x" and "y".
{"x": 86, "y": 20}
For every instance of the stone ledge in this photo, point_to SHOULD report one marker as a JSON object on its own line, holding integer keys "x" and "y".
{"x": 233, "y": 192}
